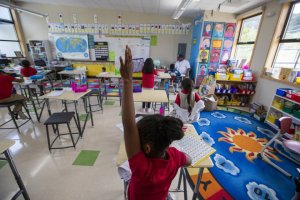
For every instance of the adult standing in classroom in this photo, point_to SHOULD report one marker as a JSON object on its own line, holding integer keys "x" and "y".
{"x": 183, "y": 66}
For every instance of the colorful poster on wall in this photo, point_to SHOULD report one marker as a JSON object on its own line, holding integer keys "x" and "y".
{"x": 203, "y": 70}
{"x": 213, "y": 67}
{"x": 217, "y": 44}
{"x": 203, "y": 56}
{"x": 218, "y": 30}
{"x": 215, "y": 55}
{"x": 229, "y": 30}
{"x": 205, "y": 43}
{"x": 225, "y": 56}
{"x": 228, "y": 42}
{"x": 207, "y": 29}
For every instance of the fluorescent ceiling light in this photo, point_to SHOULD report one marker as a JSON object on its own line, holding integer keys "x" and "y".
{"x": 20, "y": 9}
{"x": 180, "y": 9}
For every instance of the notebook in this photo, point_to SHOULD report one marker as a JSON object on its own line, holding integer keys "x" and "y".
{"x": 195, "y": 147}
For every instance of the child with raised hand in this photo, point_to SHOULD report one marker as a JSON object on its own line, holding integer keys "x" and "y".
{"x": 152, "y": 162}
{"x": 187, "y": 104}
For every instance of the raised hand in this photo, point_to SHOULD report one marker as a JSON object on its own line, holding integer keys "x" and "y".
{"x": 126, "y": 67}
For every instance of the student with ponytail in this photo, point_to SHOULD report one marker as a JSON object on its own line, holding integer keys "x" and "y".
{"x": 152, "y": 162}
{"x": 187, "y": 103}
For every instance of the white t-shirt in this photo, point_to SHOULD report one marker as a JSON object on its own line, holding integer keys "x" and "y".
{"x": 182, "y": 66}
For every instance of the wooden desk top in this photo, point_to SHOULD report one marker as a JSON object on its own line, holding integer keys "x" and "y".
{"x": 108, "y": 75}
{"x": 66, "y": 95}
{"x": 163, "y": 75}
{"x": 122, "y": 157}
{"x": 72, "y": 72}
{"x": 151, "y": 96}
{"x": 5, "y": 144}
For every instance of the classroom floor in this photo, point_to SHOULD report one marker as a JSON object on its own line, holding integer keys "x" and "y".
{"x": 51, "y": 176}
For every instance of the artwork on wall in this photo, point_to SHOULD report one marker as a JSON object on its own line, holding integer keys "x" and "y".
{"x": 205, "y": 43}
{"x": 213, "y": 67}
{"x": 215, "y": 55}
{"x": 218, "y": 30}
{"x": 225, "y": 56}
{"x": 217, "y": 44}
{"x": 229, "y": 30}
{"x": 228, "y": 42}
{"x": 203, "y": 56}
{"x": 207, "y": 29}
{"x": 203, "y": 70}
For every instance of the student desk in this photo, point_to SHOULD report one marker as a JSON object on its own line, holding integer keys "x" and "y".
{"x": 198, "y": 168}
{"x": 109, "y": 75}
{"x": 74, "y": 97}
{"x": 26, "y": 85}
{"x": 155, "y": 96}
{"x": 4, "y": 149}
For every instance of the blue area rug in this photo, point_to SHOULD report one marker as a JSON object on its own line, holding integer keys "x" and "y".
{"x": 238, "y": 173}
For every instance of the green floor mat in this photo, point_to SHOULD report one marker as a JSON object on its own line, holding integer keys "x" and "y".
{"x": 109, "y": 103}
{"x": 86, "y": 158}
{"x": 2, "y": 163}
{"x": 83, "y": 116}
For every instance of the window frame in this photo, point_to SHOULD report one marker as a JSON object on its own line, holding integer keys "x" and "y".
{"x": 286, "y": 41}
{"x": 14, "y": 24}
{"x": 237, "y": 43}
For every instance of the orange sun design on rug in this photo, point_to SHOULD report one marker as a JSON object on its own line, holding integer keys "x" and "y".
{"x": 247, "y": 143}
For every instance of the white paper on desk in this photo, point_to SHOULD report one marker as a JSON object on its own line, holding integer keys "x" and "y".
{"x": 124, "y": 171}
{"x": 55, "y": 93}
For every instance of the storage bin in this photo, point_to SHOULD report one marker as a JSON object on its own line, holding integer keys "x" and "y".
{"x": 296, "y": 113}
{"x": 282, "y": 91}
{"x": 278, "y": 104}
{"x": 288, "y": 110}
{"x": 271, "y": 119}
{"x": 293, "y": 96}
{"x": 222, "y": 76}
{"x": 235, "y": 77}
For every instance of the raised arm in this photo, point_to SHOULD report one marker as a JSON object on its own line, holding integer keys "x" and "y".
{"x": 131, "y": 135}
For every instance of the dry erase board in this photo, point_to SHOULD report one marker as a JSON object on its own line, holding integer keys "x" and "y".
{"x": 140, "y": 46}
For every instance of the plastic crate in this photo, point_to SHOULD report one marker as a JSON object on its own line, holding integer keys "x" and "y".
{"x": 296, "y": 113}
{"x": 288, "y": 110}
{"x": 222, "y": 76}
{"x": 278, "y": 104}
{"x": 282, "y": 91}
{"x": 271, "y": 119}
{"x": 235, "y": 77}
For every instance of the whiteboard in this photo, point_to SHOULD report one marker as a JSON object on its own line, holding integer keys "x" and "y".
{"x": 140, "y": 46}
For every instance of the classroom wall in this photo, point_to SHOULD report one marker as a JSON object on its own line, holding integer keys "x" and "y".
{"x": 35, "y": 28}
{"x": 265, "y": 88}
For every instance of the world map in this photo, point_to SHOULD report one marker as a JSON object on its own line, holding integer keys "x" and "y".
{"x": 71, "y": 44}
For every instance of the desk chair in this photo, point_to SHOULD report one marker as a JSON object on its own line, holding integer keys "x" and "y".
{"x": 55, "y": 120}
{"x": 284, "y": 126}
{"x": 96, "y": 92}
{"x": 173, "y": 84}
{"x": 11, "y": 113}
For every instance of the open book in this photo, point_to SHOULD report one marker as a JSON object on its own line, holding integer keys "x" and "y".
{"x": 195, "y": 147}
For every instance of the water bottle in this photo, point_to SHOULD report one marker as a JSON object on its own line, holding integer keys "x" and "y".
{"x": 83, "y": 79}
{"x": 167, "y": 86}
{"x": 162, "y": 110}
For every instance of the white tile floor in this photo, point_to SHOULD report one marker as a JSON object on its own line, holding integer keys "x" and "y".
{"x": 51, "y": 176}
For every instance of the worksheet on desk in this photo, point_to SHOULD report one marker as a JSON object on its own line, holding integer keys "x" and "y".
{"x": 56, "y": 93}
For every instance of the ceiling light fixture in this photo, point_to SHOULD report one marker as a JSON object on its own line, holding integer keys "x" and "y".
{"x": 19, "y": 9}
{"x": 180, "y": 9}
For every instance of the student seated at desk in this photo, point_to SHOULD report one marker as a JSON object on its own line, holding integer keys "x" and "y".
{"x": 7, "y": 96}
{"x": 152, "y": 162}
{"x": 148, "y": 74}
{"x": 27, "y": 70}
{"x": 187, "y": 105}
{"x": 175, "y": 75}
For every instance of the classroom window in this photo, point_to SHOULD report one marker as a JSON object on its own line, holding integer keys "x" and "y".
{"x": 246, "y": 38}
{"x": 288, "y": 50}
{"x": 9, "y": 42}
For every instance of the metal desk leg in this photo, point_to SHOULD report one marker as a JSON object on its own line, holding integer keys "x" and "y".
{"x": 90, "y": 110}
{"x": 17, "y": 177}
{"x": 32, "y": 101}
{"x": 196, "y": 189}
{"x": 78, "y": 119}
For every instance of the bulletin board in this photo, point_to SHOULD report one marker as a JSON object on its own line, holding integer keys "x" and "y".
{"x": 215, "y": 47}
